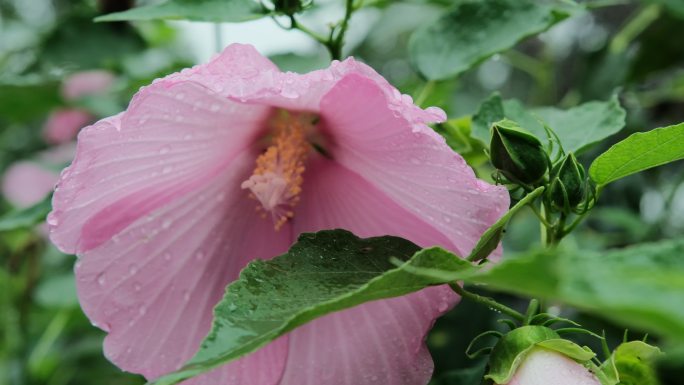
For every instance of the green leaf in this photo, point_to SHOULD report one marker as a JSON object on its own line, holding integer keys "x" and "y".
{"x": 635, "y": 362}
{"x": 25, "y": 99}
{"x": 492, "y": 237}
{"x": 511, "y": 350}
{"x": 217, "y": 11}
{"x": 580, "y": 127}
{"x": 639, "y": 152}
{"x": 58, "y": 292}
{"x": 28, "y": 217}
{"x": 494, "y": 109}
{"x": 323, "y": 272}
{"x": 577, "y": 128}
{"x": 475, "y": 30}
{"x": 641, "y": 286}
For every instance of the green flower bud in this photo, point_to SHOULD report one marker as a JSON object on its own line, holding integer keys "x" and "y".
{"x": 289, "y": 7}
{"x": 568, "y": 184}
{"x": 518, "y": 154}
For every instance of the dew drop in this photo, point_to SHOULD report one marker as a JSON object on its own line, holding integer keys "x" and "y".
{"x": 167, "y": 169}
{"x": 167, "y": 256}
{"x": 180, "y": 96}
{"x": 214, "y": 107}
{"x": 142, "y": 310}
{"x": 137, "y": 287}
{"x": 415, "y": 160}
{"x": 164, "y": 150}
{"x": 446, "y": 218}
{"x": 52, "y": 220}
{"x": 199, "y": 255}
{"x": 186, "y": 295}
{"x": 133, "y": 269}
{"x": 167, "y": 223}
{"x": 101, "y": 280}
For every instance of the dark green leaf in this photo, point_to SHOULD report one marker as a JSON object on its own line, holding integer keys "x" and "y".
{"x": 474, "y": 30}
{"x": 217, "y": 11}
{"x": 639, "y": 152}
{"x": 27, "y": 99}
{"x": 28, "y": 217}
{"x": 323, "y": 272}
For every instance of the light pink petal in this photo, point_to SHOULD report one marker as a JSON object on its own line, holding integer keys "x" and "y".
{"x": 26, "y": 183}
{"x": 86, "y": 83}
{"x": 409, "y": 162}
{"x": 381, "y": 342}
{"x": 153, "y": 286}
{"x": 169, "y": 142}
{"x": 62, "y": 125}
{"x": 544, "y": 367}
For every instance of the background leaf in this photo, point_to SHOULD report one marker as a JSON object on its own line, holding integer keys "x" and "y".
{"x": 227, "y": 11}
{"x": 28, "y": 217}
{"x": 577, "y": 128}
{"x": 639, "y": 152}
{"x": 474, "y": 30}
{"x": 589, "y": 123}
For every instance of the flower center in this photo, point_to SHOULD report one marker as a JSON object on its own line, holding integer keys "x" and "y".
{"x": 277, "y": 178}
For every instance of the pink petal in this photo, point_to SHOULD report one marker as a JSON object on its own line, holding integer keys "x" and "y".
{"x": 86, "y": 83}
{"x": 170, "y": 142}
{"x": 381, "y": 342}
{"x": 544, "y": 367}
{"x": 62, "y": 125}
{"x": 395, "y": 151}
{"x": 153, "y": 286}
{"x": 26, "y": 183}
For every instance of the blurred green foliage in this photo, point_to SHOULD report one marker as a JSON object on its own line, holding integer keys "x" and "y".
{"x": 628, "y": 48}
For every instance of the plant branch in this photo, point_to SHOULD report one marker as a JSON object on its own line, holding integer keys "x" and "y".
{"x": 487, "y": 301}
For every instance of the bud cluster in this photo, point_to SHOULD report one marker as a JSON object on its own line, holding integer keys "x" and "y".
{"x": 521, "y": 159}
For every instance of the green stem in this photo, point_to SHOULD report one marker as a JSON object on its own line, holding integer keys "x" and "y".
{"x": 424, "y": 93}
{"x": 489, "y": 302}
{"x": 294, "y": 24}
{"x": 634, "y": 27}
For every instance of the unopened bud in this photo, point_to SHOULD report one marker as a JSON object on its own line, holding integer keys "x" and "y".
{"x": 518, "y": 154}
{"x": 568, "y": 184}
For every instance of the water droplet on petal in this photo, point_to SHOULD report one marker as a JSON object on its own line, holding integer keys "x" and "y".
{"x": 180, "y": 96}
{"x": 167, "y": 169}
{"x": 167, "y": 223}
{"x": 164, "y": 150}
{"x": 199, "y": 255}
{"x": 142, "y": 310}
{"x": 133, "y": 269}
{"x": 167, "y": 256}
{"x": 101, "y": 280}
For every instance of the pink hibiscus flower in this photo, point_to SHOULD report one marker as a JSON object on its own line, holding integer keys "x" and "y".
{"x": 229, "y": 161}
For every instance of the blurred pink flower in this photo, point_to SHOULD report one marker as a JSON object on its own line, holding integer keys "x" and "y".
{"x": 27, "y": 182}
{"x": 545, "y": 367}
{"x": 161, "y": 203}
{"x": 85, "y": 83}
{"x": 63, "y": 124}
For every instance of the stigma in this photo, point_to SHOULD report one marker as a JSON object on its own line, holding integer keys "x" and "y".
{"x": 276, "y": 182}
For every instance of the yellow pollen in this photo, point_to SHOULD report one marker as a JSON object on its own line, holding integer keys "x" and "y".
{"x": 277, "y": 178}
